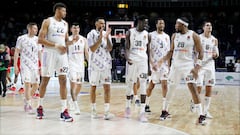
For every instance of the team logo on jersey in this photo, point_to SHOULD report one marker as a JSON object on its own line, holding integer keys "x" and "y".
{"x": 144, "y": 37}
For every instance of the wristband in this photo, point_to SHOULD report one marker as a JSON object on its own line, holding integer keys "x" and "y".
{"x": 199, "y": 62}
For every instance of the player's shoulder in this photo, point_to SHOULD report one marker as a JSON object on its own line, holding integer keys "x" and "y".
{"x": 20, "y": 37}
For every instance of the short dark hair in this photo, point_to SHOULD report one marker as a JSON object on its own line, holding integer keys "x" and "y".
{"x": 157, "y": 19}
{"x": 99, "y": 18}
{"x": 29, "y": 25}
{"x": 75, "y": 24}
{"x": 142, "y": 17}
{"x": 206, "y": 21}
{"x": 58, "y": 5}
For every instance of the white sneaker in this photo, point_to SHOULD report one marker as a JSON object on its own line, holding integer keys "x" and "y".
{"x": 108, "y": 116}
{"x": 77, "y": 112}
{"x": 192, "y": 107}
{"x": 94, "y": 114}
{"x": 127, "y": 112}
{"x": 208, "y": 115}
{"x": 142, "y": 117}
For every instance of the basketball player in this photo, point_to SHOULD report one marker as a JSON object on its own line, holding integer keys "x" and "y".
{"x": 54, "y": 36}
{"x": 207, "y": 72}
{"x": 184, "y": 41}
{"x": 100, "y": 64}
{"x": 27, "y": 45}
{"x": 4, "y": 61}
{"x": 137, "y": 57}
{"x": 77, "y": 53}
{"x": 159, "y": 46}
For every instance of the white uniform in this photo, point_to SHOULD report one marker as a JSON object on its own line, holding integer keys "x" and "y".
{"x": 207, "y": 72}
{"x": 52, "y": 59}
{"x": 183, "y": 58}
{"x": 76, "y": 59}
{"x": 29, "y": 49}
{"x": 139, "y": 59}
{"x": 100, "y": 61}
{"x": 160, "y": 45}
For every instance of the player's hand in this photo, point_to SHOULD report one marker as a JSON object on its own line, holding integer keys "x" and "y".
{"x": 61, "y": 49}
{"x": 155, "y": 67}
{"x": 194, "y": 72}
{"x": 214, "y": 55}
{"x": 108, "y": 32}
{"x": 75, "y": 38}
{"x": 129, "y": 61}
{"x": 160, "y": 62}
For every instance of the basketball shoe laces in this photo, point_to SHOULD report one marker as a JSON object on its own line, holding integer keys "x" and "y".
{"x": 66, "y": 114}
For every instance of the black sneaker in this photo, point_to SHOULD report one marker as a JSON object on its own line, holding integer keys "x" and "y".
{"x": 137, "y": 102}
{"x": 164, "y": 115}
{"x": 147, "y": 109}
{"x": 202, "y": 120}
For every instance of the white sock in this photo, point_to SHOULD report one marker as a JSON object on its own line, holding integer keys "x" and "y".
{"x": 147, "y": 100}
{"x": 94, "y": 106}
{"x": 135, "y": 97}
{"x": 128, "y": 103}
{"x": 199, "y": 108}
{"x": 64, "y": 104}
{"x": 40, "y": 101}
{"x": 75, "y": 104}
{"x": 29, "y": 102}
{"x": 164, "y": 105}
{"x": 106, "y": 107}
{"x": 142, "y": 107}
{"x": 207, "y": 102}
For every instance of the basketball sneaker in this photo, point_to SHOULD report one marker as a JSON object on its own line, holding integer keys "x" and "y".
{"x": 137, "y": 102}
{"x": 12, "y": 87}
{"x": 94, "y": 114}
{"x": 40, "y": 114}
{"x": 4, "y": 94}
{"x": 29, "y": 109}
{"x": 77, "y": 110}
{"x": 147, "y": 109}
{"x": 202, "y": 120}
{"x": 36, "y": 95}
{"x": 209, "y": 116}
{"x": 108, "y": 115}
{"x": 192, "y": 107}
{"x": 64, "y": 116}
{"x": 164, "y": 115}
{"x": 127, "y": 112}
{"x": 21, "y": 90}
{"x": 142, "y": 117}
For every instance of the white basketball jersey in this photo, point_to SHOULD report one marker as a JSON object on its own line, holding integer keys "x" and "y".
{"x": 29, "y": 49}
{"x": 183, "y": 53}
{"x": 138, "y": 45}
{"x": 56, "y": 32}
{"x": 76, "y": 54}
{"x": 208, "y": 44}
{"x": 160, "y": 45}
{"x": 100, "y": 59}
